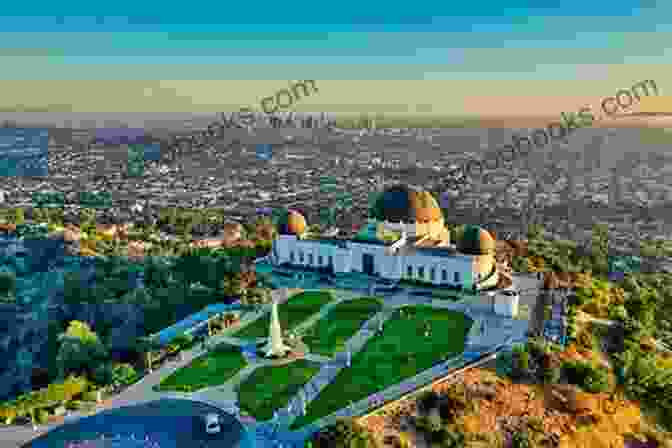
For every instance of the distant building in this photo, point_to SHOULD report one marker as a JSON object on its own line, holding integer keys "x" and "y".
{"x": 405, "y": 239}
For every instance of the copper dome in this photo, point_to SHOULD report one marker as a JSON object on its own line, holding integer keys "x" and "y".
{"x": 475, "y": 240}
{"x": 403, "y": 204}
{"x": 292, "y": 223}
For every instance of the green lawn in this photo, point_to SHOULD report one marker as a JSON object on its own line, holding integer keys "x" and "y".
{"x": 211, "y": 369}
{"x": 291, "y": 313}
{"x": 401, "y": 352}
{"x": 270, "y": 388}
{"x": 330, "y": 333}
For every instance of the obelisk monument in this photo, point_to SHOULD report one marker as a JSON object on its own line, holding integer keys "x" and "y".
{"x": 275, "y": 345}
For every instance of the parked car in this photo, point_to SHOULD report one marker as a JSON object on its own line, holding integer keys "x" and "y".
{"x": 212, "y": 425}
{"x": 510, "y": 293}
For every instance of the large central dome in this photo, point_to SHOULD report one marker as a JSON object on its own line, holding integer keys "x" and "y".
{"x": 400, "y": 203}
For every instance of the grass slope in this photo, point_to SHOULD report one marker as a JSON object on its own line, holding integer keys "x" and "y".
{"x": 401, "y": 352}
{"x": 271, "y": 387}
{"x": 212, "y": 369}
{"x": 330, "y": 333}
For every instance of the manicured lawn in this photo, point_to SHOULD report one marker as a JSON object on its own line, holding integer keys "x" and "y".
{"x": 291, "y": 313}
{"x": 270, "y": 388}
{"x": 212, "y": 369}
{"x": 330, "y": 333}
{"x": 401, "y": 352}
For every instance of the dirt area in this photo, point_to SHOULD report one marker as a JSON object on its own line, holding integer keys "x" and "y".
{"x": 596, "y": 420}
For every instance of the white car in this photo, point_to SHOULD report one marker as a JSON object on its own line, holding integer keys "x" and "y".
{"x": 212, "y": 425}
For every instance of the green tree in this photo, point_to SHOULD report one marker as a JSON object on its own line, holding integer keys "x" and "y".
{"x": 7, "y": 285}
{"x": 102, "y": 374}
{"x": 231, "y": 286}
{"x": 137, "y": 296}
{"x": 81, "y": 350}
{"x": 124, "y": 374}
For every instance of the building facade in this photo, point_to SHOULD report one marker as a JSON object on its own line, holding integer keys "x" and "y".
{"x": 405, "y": 239}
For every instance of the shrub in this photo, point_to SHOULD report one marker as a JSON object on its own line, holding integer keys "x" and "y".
{"x": 552, "y": 374}
{"x": 8, "y": 413}
{"x": 535, "y": 424}
{"x": 74, "y": 386}
{"x": 345, "y": 432}
{"x": 124, "y": 374}
{"x": 73, "y": 405}
{"x": 524, "y": 360}
{"x": 7, "y": 283}
{"x": 504, "y": 363}
{"x": 103, "y": 374}
{"x": 618, "y": 312}
{"x": 427, "y": 401}
{"x": 520, "y": 439}
{"x": 401, "y": 441}
{"x": 42, "y": 416}
{"x": 585, "y": 338}
{"x": 589, "y": 377}
{"x": 91, "y": 395}
{"x": 536, "y": 347}
{"x": 453, "y": 403}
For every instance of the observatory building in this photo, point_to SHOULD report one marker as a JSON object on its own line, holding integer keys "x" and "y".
{"x": 405, "y": 238}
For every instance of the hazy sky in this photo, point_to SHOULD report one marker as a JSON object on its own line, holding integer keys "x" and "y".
{"x": 573, "y": 49}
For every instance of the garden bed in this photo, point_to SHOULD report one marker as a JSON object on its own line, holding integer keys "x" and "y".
{"x": 330, "y": 333}
{"x": 291, "y": 313}
{"x": 401, "y": 352}
{"x": 211, "y": 369}
{"x": 270, "y": 388}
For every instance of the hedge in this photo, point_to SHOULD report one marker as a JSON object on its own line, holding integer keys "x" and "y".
{"x": 55, "y": 393}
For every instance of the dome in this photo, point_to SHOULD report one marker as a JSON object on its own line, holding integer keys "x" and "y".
{"x": 475, "y": 241}
{"x": 400, "y": 203}
{"x": 292, "y": 223}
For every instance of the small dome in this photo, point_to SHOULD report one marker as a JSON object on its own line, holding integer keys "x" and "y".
{"x": 292, "y": 223}
{"x": 400, "y": 203}
{"x": 475, "y": 240}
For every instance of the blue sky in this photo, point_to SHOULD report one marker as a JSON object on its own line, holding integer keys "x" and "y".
{"x": 337, "y": 40}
